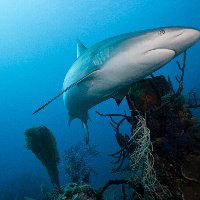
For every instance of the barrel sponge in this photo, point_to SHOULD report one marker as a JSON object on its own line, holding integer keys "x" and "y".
{"x": 42, "y": 143}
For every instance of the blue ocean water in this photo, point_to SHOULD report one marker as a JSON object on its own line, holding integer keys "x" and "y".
{"x": 37, "y": 48}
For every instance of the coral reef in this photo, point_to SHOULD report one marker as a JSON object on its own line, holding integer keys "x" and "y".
{"x": 174, "y": 132}
{"x": 77, "y": 191}
{"x": 28, "y": 198}
{"x": 190, "y": 186}
{"x": 190, "y": 190}
{"x": 78, "y": 159}
{"x": 175, "y": 135}
{"x": 190, "y": 168}
{"x": 42, "y": 143}
{"x": 73, "y": 191}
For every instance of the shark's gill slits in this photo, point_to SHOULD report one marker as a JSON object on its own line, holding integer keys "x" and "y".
{"x": 101, "y": 57}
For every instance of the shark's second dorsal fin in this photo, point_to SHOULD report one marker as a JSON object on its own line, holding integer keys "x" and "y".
{"x": 80, "y": 48}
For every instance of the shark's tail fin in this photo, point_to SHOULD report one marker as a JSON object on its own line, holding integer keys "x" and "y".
{"x": 86, "y": 132}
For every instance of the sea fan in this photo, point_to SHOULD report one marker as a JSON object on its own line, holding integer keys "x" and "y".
{"x": 42, "y": 143}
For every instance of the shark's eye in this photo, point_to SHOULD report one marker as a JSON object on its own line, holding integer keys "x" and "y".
{"x": 161, "y": 32}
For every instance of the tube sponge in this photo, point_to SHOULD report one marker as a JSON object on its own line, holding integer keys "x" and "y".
{"x": 42, "y": 143}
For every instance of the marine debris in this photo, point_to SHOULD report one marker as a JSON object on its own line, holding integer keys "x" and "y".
{"x": 138, "y": 149}
{"x": 142, "y": 163}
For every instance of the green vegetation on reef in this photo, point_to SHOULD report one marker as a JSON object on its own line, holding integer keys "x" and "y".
{"x": 42, "y": 143}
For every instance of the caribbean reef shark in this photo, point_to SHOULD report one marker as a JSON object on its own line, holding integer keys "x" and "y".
{"x": 107, "y": 69}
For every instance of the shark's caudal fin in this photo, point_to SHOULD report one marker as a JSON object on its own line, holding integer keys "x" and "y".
{"x": 65, "y": 91}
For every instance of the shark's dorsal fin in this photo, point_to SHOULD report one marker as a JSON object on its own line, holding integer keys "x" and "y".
{"x": 65, "y": 90}
{"x": 80, "y": 48}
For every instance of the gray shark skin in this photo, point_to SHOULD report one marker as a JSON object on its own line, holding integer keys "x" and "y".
{"x": 107, "y": 69}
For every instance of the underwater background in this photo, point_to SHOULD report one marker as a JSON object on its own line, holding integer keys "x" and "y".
{"x": 38, "y": 46}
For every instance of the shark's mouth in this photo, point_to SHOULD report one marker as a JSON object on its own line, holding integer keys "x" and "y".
{"x": 157, "y": 50}
{"x": 157, "y": 57}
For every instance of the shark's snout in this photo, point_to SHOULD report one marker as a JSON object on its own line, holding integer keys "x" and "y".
{"x": 183, "y": 39}
{"x": 192, "y": 34}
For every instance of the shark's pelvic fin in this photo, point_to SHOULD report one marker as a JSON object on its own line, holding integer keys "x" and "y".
{"x": 120, "y": 95}
{"x": 118, "y": 101}
{"x": 65, "y": 90}
{"x": 80, "y": 48}
{"x": 86, "y": 132}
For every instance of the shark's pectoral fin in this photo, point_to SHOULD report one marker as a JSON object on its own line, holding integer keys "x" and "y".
{"x": 86, "y": 132}
{"x": 65, "y": 90}
{"x": 158, "y": 57}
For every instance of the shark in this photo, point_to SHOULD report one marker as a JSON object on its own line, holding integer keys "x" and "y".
{"x": 108, "y": 69}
